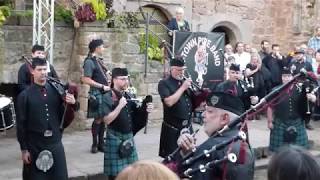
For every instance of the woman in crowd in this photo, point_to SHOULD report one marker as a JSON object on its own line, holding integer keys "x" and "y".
{"x": 258, "y": 76}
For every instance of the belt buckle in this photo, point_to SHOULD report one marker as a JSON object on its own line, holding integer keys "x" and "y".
{"x": 47, "y": 133}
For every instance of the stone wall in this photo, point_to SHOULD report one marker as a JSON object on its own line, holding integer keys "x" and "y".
{"x": 18, "y": 42}
{"x": 70, "y": 50}
{"x": 286, "y": 22}
{"x": 123, "y": 52}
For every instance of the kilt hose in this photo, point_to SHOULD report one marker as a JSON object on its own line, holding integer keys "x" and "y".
{"x": 279, "y": 128}
{"x": 99, "y": 111}
{"x": 113, "y": 163}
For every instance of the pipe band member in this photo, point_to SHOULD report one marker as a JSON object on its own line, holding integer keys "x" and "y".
{"x": 220, "y": 110}
{"x": 121, "y": 117}
{"x": 39, "y": 114}
{"x": 96, "y": 78}
{"x": 25, "y": 78}
{"x": 177, "y": 106}
{"x": 285, "y": 118}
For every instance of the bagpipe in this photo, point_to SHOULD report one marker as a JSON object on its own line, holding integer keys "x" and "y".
{"x": 176, "y": 164}
{"x": 247, "y": 84}
{"x": 199, "y": 94}
{"x": 63, "y": 89}
{"x": 140, "y": 115}
{"x": 306, "y": 87}
{"x": 143, "y": 115}
{"x": 269, "y": 99}
{"x": 183, "y": 168}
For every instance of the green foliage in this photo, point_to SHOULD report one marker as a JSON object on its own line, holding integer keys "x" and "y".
{"x": 62, "y": 14}
{"x": 2, "y": 18}
{"x": 130, "y": 19}
{"x": 124, "y": 20}
{"x": 99, "y": 8}
{"x": 5, "y": 10}
{"x": 154, "y": 52}
{"x": 25, "y": 14}
{"x": 4, "y": 13}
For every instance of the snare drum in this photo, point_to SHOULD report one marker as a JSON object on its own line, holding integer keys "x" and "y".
{"x": 7, "y": 113}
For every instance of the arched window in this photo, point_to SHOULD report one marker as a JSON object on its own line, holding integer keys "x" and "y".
{"x": 157, "y": 15}
{"x": 230, "y": 37}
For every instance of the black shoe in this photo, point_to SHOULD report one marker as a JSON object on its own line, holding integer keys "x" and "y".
{"x": 101, "y": 148}
{"x": 309, "y": 127}
{"x": 94, "y": 149}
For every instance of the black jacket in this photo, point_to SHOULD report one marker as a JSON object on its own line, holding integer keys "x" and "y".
{"x": 242, "y": 169}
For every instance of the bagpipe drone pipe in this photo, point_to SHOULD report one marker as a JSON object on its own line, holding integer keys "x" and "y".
{"x": 62, "y": 89}
{"x": 175, "y": 164}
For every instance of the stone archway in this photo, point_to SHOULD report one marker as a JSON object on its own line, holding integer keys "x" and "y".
{"x": 229, "y": 35}
{"x": 156, "y": 12}
{"x": 232, "y": 32}
{"x": 159, "y": 20}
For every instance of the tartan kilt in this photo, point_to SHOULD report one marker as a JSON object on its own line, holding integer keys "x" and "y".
{"x": 98, "y": 112}
{"x": 279, "y": 128}
{"x": 113, "y": 163}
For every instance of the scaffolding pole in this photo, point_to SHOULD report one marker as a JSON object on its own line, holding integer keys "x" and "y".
{"x": 43, "y": 25}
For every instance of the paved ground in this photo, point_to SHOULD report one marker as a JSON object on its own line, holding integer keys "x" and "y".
{"x": 81, "y": 163}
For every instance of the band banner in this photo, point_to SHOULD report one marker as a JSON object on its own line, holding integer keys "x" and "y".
{"x": 203, "y": 54}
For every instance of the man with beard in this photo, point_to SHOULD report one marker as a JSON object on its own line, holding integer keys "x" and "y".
{"x": 39, "y": 114}
{"x": 299, "y": 63}
{"x": 264, "y": 52}
{"x": 120, "y": 117}
{"x": 221, "y": 109}
{"x": 177, "y": 106}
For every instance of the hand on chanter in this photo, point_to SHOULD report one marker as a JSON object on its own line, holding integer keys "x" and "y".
{"x": 186, "y": 141}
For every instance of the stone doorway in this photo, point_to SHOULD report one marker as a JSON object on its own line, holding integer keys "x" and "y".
{"x": 230, "y": 37}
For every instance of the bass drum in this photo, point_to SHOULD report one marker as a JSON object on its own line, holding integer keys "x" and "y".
{"x": 7, "y": 113}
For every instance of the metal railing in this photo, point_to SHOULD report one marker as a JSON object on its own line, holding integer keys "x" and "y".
{"x": 147, "y": 19}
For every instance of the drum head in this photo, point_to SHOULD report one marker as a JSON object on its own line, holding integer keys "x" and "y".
{"x": 4, "y": 101}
